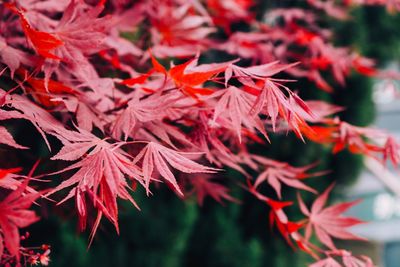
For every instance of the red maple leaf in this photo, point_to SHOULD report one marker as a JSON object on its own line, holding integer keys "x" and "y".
{"x": 43, "y": 42}
{"x": 189, "y": 76}
{"x": 44, "y": 90}
{"x": 5, "y": 172}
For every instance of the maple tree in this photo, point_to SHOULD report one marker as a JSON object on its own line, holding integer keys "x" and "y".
{"x": 150, "y": 110}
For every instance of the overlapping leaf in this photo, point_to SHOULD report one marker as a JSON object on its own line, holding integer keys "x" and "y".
{"x": 157, "y": 157}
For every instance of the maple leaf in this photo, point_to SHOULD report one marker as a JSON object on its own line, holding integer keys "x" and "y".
{"x": 255, "y": 77}
{"x": 277, "y": 214}
{"x": 391, "y": 151}
{"x": 5, "y": 172}
{"x": 291, "y": 15}
{"x": 143, "y": 77}
{"x": 260, "y": 72}
{"x": 82, "y": 33}
{"x": 89, "y": 69}
{"x": 43, "y": 121}
{"x": 226, "y": 12}
{"x": 327, "y": 262}
{"x": 87, "y": 117}
{"x": 203, "y": 185}
{"x": 348, "y": 260}
{"x": 352, "y": 261}
{"x": 101, "y": 174}
{"x": 43, "y": 42}
{"x": 320, "y": 134}
{"x": 320, "y": 111}
{"x": 207, "y": 138}
{"x": 157, "y": 157}
{"x": 364, "y": 66}
{"x": 14, "y": 214}
{"x": 357, "y": 139}
{"x": 327, "y": 57}
{"x": 175, "y": 30}
{"x": 37, "y": 12}
{"x": 196, "y": 76}
{"x": 330, "y": 8}
{"x": 45, "y": 90}
{"x": 233, "y": 110}
{"x": 276, "y": 173}
{"x": 9, "y": 179}
{"x": 7, "y": 139}
{"x": 141, "y": 110}
{"x": 157, "y": 131}
{"x": 329, "y": 222}
{"x": 273, "y": 102}
{"x": 13, "y": 57}
{"x": 273, "y": 99}
{"x": 188, "y": 76}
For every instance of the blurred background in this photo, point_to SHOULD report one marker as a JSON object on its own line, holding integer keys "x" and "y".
{"x": 168, "y": 232}
{"x": 380, "y": 190}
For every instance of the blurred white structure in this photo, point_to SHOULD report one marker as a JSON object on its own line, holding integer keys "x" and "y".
{"x": 380, "y": 189}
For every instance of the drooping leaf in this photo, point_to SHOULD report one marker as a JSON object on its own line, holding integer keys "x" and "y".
{"x": 14, "y": 214}
{"x": 157, "y": 157}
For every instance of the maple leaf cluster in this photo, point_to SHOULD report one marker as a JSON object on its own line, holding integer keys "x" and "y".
{"x": 15, "y": 214}
{"x": 125, "y": 89}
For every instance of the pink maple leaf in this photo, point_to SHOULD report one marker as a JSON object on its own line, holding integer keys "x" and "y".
{"x": 320, "y": 111}
{"x": 81, "y": 30}
{"x": 277, "y": 173}
{"x": 329, "y": 222}
{"x": 347, "y": 260}
{"x": 14, "y": 214}
{"x": 391, "y": 151}
{"x": 327, "y": 262}
{"x": 82, "y": 33}
{"x": 233, "y": 110}
{"x": 156, "y": 156}
{"x": 7, "y": 139}
{"x": 9, "y": 179}
{"x": 203, "y": 185}
{"x": 330, "y": 8}
{"x": 176, "y": 31}
{"x": 140, "y": 110}
{"x": 226, "y": 12}
{"x": 358, "y": 139}
{"x": 43, "y": 121}
{"x": 101, "y": 174}
{"x": 273, "y": 98}
{"x": 351, "y": 261}
{"x": 12, "y": 57}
